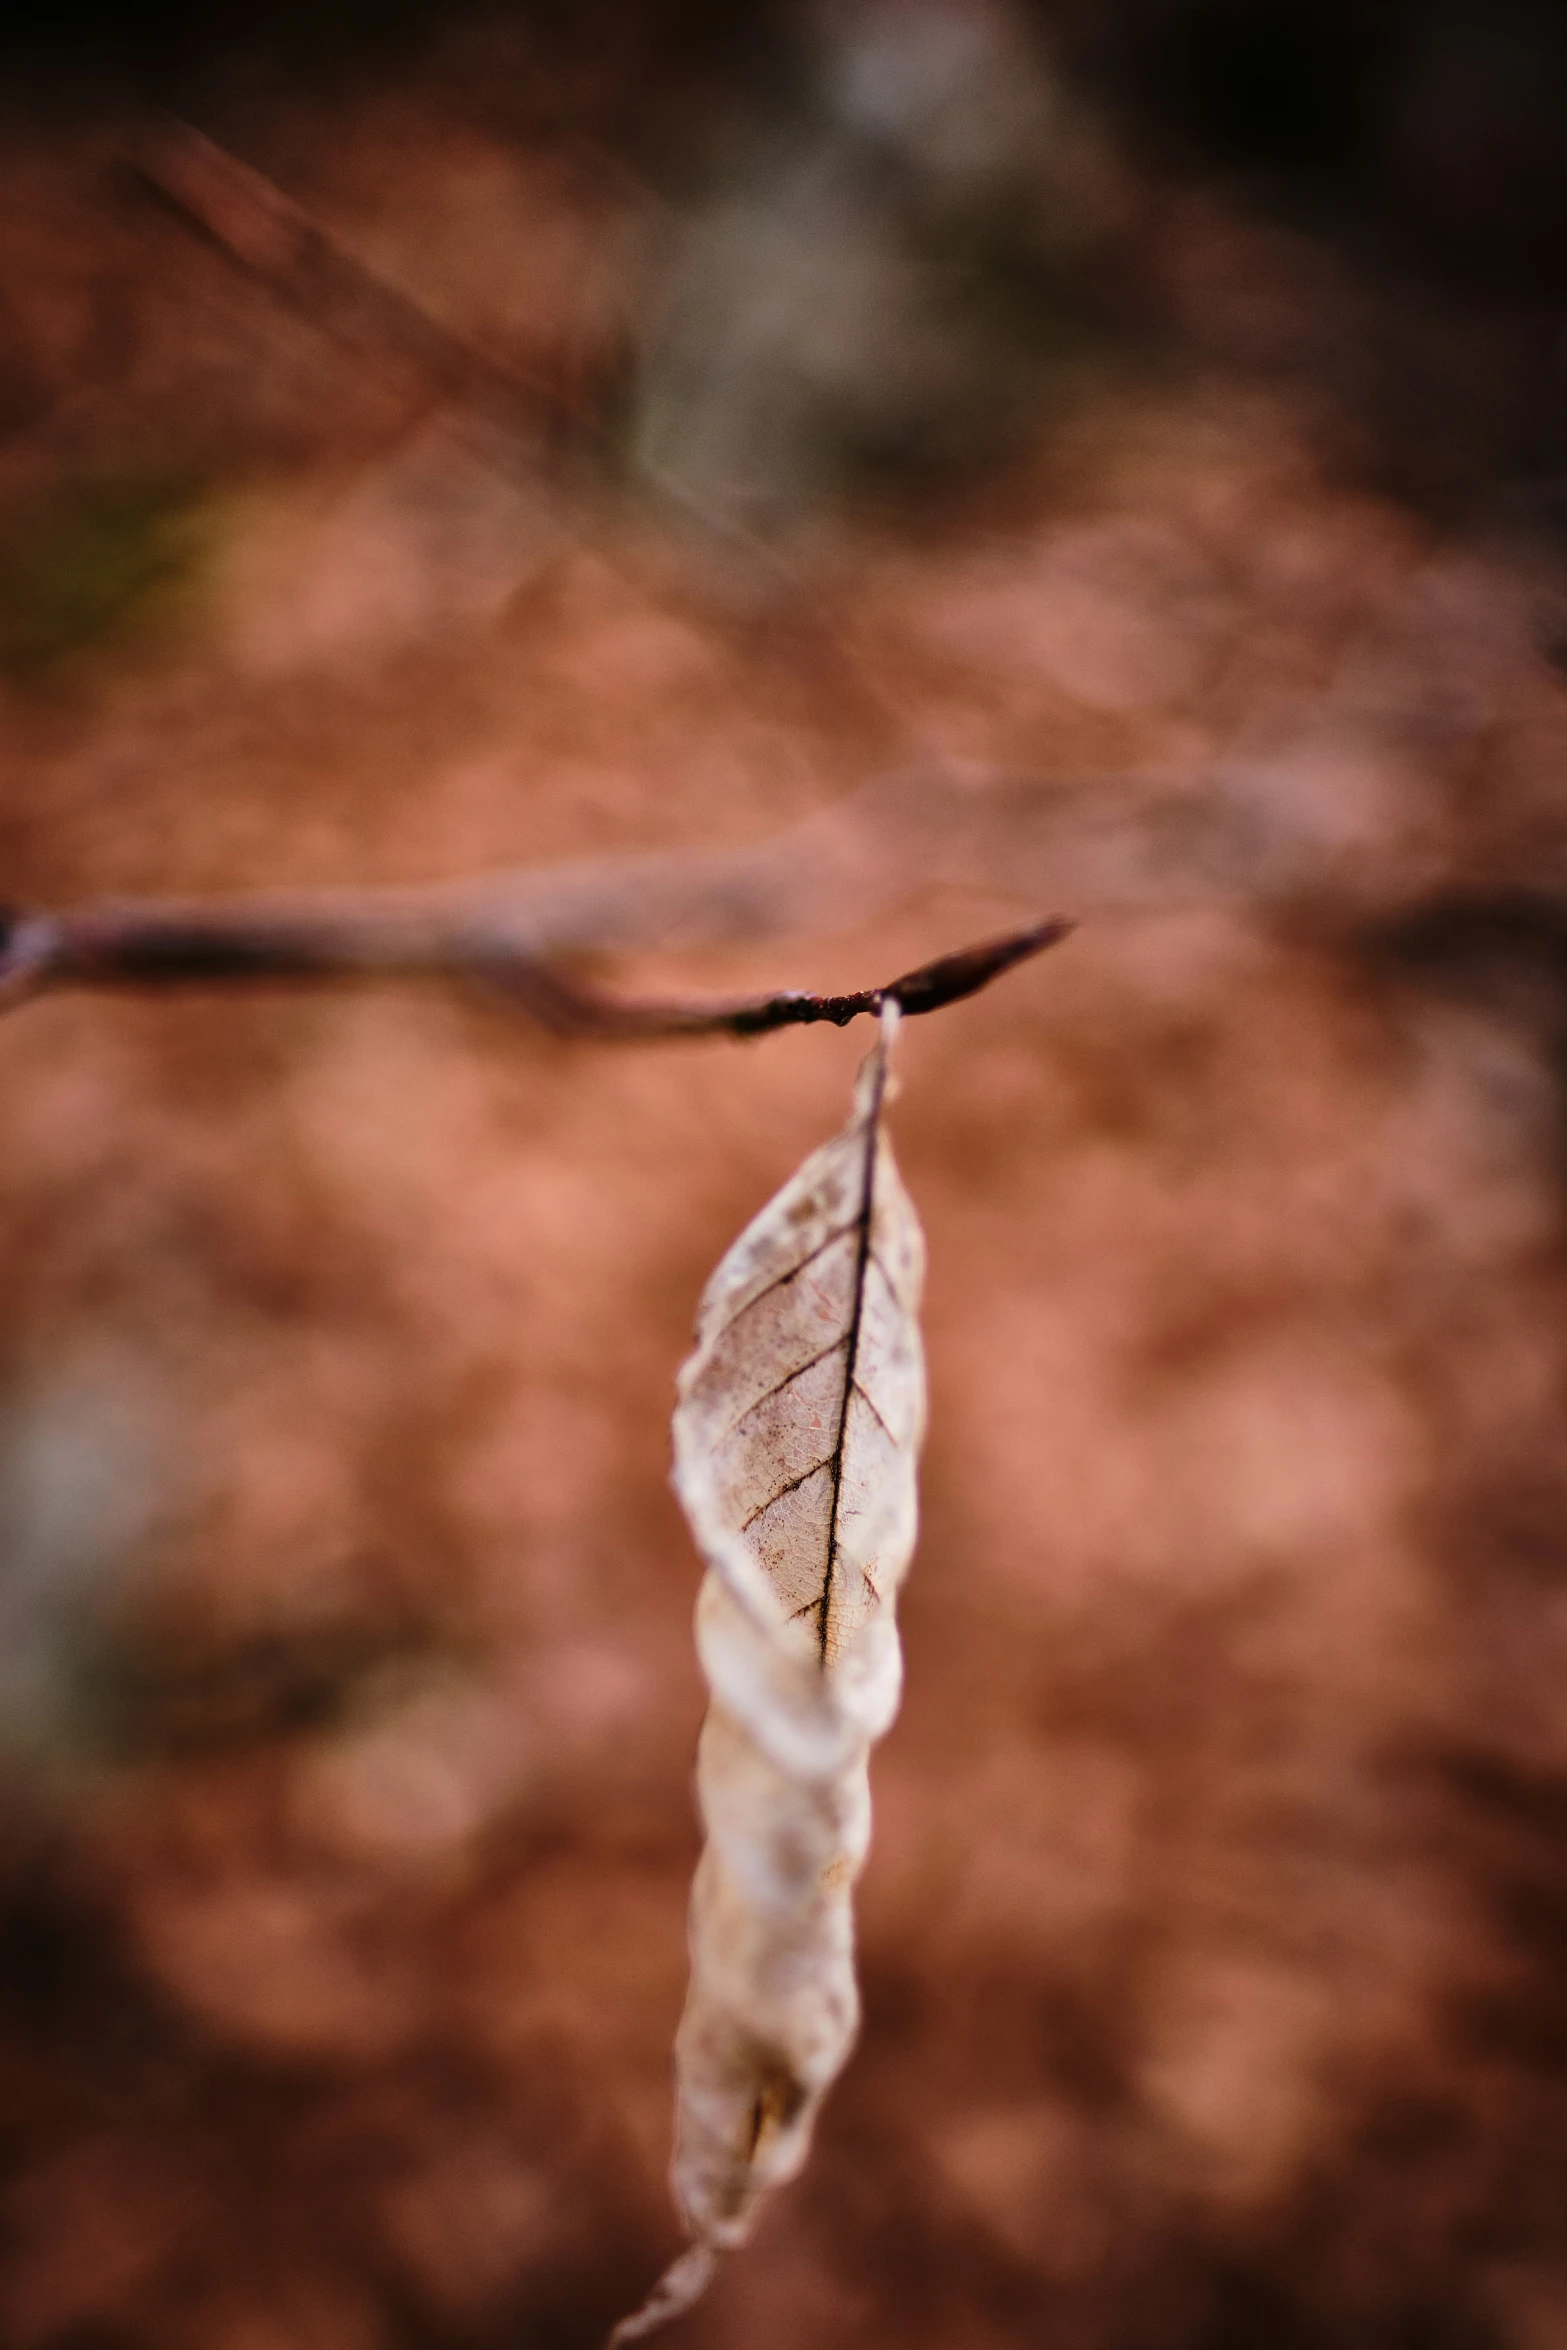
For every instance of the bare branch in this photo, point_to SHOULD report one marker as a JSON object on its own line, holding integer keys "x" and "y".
{"x": 570, "y": 1009}
{"x": 266, "y": 233}
{"x": 157, "y": 946}
{"x": 1105, "y": 842}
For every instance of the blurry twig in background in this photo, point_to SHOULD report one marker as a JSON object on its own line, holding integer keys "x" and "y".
{"x": 276, "y": 239}
{"x": 536, "y": 410}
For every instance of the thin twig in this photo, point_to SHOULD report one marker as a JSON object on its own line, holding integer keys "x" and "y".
{"x": 283, "y": 246}
{"x": 570, "y": 1009}
{"x": 154, "y": 947}
{"x": 276, "y": 241}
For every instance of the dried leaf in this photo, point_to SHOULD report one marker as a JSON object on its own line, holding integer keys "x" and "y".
{"x": 796, "y": 1437}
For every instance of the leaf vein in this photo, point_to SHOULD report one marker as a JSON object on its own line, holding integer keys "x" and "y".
{"x": 864, "y": 1222}
{"x": 787, "y": 1380}
{"x": 866, "y": 1398}
{"x": 892, "y": 1286}
{"x": 782, "y": 1280}
{"x": 763, "y": 1507}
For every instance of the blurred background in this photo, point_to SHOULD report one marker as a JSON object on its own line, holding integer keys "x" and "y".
{"x": 433, "y": 441}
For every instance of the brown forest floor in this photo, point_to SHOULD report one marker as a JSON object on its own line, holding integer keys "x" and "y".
{"x": 1213, "y": 1935}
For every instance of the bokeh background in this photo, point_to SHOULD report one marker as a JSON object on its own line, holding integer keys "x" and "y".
{"x": 1142, "y": 428}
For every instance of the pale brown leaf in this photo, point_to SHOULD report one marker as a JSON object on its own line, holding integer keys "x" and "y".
{"x": 796, "y": 1439}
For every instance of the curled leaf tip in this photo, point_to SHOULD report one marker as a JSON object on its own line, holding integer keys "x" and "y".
{"x": 681, "y": 2286}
